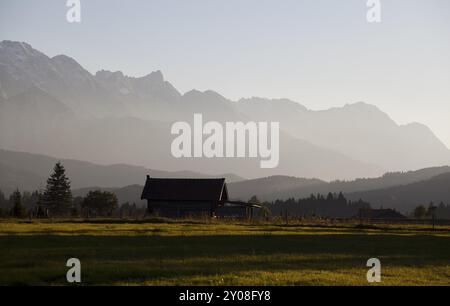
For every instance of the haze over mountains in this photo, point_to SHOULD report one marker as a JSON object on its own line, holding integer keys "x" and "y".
{"x": 402, "y": 191}
{"x": 279, "y": 187}
{"x": 29, "y": 172}
{"x": 54, "y": 106}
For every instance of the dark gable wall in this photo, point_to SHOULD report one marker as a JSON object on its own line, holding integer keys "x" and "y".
{"x": 179, "y": 209}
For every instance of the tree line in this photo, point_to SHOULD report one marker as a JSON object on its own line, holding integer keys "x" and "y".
{"x": 337, "y": 206}
{"x": 330, "y": 206}
{"x": 432, "y": 211}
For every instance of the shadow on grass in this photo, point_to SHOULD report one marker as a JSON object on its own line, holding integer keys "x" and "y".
{"x": 211, "y": 245}
{"x": 41, "y": 259}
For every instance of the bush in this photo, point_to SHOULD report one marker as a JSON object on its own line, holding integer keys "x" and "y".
{"x": 100, "y": 203}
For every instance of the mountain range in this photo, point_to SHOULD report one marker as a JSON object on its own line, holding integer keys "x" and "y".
{"x": 400, "y": 190}
{"x": 53, "y": 106}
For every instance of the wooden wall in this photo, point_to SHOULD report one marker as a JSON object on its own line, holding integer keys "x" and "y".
{"x": 182, "y": 209}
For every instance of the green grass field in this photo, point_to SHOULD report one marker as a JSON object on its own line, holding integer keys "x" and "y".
{"x": 197, "y": 253}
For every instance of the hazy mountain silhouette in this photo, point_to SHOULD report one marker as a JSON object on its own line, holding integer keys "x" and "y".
{"x": 406, "y": 198}
{"x": 279, "y": 187}
{"x": 265, "y": 187}
{"x": 54, "y": 106}
{"x": 30, "y": 172}
{"x": 360, "y": 131}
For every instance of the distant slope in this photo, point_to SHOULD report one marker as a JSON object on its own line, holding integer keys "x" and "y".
{"x": 280, "y": 187}
{"x": 30, "y": 171}
{"x": 406, "y": 198}
{"x": 262, "y": 187}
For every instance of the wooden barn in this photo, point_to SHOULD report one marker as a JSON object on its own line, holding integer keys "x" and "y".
{"x": 180, "y": 198}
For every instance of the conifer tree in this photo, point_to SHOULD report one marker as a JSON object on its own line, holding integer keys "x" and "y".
{"x": 58, "y": 196}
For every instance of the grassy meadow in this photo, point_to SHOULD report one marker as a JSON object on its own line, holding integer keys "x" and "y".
{"x": 163, "y": 252}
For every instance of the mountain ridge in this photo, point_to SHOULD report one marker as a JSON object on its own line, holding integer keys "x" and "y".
{"x": 341, "y": 143}
{"x": 387, "y": 180}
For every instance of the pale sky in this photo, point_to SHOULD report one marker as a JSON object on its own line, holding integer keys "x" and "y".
{"x": 321, "y": 53}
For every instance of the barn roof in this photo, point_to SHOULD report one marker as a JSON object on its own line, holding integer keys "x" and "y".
{"x": 185, "y": 189}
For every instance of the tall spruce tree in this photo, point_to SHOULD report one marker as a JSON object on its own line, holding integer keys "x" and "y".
{"x": 58, "y": 196}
